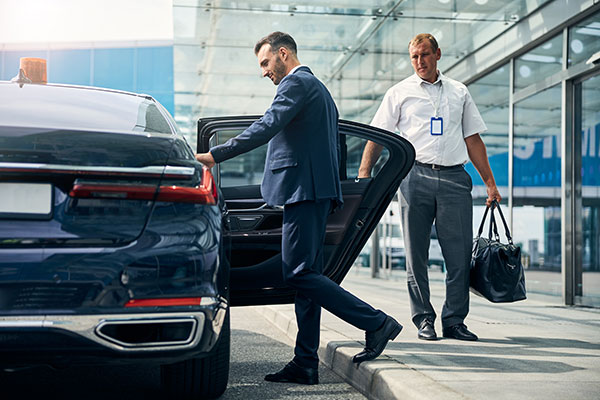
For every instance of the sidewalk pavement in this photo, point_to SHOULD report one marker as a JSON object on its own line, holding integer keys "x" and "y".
{"x": 532, "y": 349}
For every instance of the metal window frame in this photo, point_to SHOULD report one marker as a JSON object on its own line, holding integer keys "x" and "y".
{"x": 570, "y": 78}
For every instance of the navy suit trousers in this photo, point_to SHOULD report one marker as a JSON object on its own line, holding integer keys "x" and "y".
{"x": 302, "y": 255}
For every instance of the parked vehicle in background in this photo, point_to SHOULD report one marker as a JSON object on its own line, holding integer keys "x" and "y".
{"x": 391, "y": 244}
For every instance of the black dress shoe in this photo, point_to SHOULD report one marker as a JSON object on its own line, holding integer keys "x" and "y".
{"x": 460, "y": 332}
{"x": 294, "y": 373}
{"x": 375, "y": 341}
{"x": 426, "y": 330}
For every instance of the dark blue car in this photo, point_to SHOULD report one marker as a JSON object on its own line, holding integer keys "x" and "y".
{"x": 116, "y": 246}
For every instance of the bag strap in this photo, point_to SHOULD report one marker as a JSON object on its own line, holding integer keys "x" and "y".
{"x": 506, "y": 230}
{"x": 483, "y": 221}
{"x": 493, "y": 225}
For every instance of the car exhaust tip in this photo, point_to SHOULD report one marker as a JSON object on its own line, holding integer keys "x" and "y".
{"x": 148, "y": 333}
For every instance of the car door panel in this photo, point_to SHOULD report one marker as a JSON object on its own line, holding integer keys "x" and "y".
{"x": 255, "y": 228}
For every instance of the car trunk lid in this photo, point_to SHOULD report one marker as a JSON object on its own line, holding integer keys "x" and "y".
{"x": 76, "y": 187}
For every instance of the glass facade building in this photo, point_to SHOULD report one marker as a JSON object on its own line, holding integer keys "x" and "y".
{"x": 548, "y": 109}
{"x": 134, "y": 67}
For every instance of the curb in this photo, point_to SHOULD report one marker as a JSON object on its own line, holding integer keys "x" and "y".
{"x": 383, "y": 379}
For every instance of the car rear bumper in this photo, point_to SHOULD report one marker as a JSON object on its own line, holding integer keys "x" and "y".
{"x": 60, "y": 340}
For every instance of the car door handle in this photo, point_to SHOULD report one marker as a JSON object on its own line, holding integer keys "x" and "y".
{"x": 246, "y": 222}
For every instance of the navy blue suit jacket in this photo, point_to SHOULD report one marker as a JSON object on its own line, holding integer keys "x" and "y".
{"x": 301, "y": 127}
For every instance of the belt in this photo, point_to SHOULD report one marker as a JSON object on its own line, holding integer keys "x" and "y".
{"x": 438, "y": 167}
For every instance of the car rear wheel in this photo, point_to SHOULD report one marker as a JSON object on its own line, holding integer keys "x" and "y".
{"x": 200, "y": 378}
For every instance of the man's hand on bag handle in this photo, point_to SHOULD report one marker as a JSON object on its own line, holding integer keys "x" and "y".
{"x": 493, "y": 194}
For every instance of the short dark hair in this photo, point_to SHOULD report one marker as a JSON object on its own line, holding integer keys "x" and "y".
{"x": 277, "y": 40}
{"x": 422, "y": 37}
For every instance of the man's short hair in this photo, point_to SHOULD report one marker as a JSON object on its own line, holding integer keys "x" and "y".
{"x": 421, "y": 37}
{"x": 277, "y": 40}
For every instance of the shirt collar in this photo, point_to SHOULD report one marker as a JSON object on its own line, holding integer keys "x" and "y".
{"x": 439, "y": 78}
{"x": 295, "y": 68}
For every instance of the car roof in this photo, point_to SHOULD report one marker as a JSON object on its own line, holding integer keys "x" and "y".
{"x": 80, "y": 107}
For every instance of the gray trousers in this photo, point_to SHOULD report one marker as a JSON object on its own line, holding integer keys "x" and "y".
{"x": 443, "y": 196}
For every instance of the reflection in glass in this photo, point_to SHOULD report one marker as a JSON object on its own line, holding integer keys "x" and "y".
{"x": 357, "y": 48}
{"x": 539, "y": 63}
{"x": 590, "y": 179}
{"x": 536, "y": 191}
{"x": 242, "y": 170}
{"x": 491, "y": 95}
{"x": 247, "y": 169}
{"x": 584, "y": 39}
{"x": 354, "y": 151}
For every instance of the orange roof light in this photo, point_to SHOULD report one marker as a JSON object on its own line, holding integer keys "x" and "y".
{"x": 34, "y": 69}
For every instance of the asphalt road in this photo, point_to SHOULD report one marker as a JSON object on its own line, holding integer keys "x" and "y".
{"x": 258, "y": 347}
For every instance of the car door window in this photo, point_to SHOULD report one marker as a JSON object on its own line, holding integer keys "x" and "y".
{"x": 247, "y": 168}
{"x": 354, "y": 151}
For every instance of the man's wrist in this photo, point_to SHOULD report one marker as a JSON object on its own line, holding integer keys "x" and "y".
{"x": 364, "y": 172}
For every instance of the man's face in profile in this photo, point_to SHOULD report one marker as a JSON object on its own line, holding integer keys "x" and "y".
{"x": 271, "y": 64}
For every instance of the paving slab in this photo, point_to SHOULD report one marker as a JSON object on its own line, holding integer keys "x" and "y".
{"x": 532, "y": 349}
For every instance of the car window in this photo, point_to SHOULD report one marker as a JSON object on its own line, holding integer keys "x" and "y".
{"x": 150, "y": 119}
{"x": 354, "y": 151}
{"x": 242, "y": 170}
{"x": 247, "y": 168}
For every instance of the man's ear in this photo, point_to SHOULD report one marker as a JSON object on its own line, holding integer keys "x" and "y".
{"x": 283, "y": 53}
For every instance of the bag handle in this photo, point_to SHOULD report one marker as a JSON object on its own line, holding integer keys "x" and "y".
{"x": 506, "y": 230}
{"x": 493, "y": 225}
{"x": 480, "y": 231}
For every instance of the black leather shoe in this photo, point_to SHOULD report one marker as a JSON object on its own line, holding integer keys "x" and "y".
{"x": 460, "y": 332}
{"x": 375, "y": 341}
{"x": 294, "y": 373}
{"x": 426, "y": 330}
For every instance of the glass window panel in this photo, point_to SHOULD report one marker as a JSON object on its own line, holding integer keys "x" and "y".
{"x": 154, "y": 69}
{"x": 69, "y": 66}
{"x": 536, "y": 192}
{"x": 491, "y": 95}
{"x": 113, "y": 68}
{"x": 584, "y": 39}
{"x": 539, "y": 63}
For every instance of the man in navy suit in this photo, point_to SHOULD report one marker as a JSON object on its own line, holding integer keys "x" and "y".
{"x": 302, "y": 174}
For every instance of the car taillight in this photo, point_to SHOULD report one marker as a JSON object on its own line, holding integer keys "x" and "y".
{"x": 205, "y": 193}
{"x": 167, "y": 302}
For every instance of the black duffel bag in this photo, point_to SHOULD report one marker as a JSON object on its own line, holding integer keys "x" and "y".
{"x": 496, "y": 269}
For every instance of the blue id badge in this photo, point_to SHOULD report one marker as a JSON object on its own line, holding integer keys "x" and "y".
{"x": 437, "y": 126}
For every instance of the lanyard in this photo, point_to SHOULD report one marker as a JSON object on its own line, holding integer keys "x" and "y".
{"x": 436, "y": 105}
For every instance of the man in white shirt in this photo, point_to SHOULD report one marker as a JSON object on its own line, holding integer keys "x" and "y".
{"x": 438, "y": 116}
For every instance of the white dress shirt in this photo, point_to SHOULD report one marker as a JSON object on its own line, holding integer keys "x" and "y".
{"x": 408, "y": 107}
